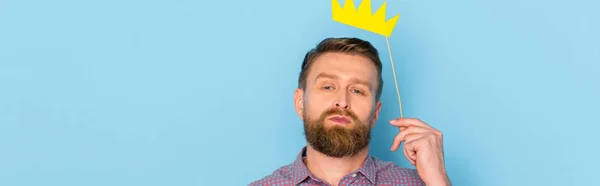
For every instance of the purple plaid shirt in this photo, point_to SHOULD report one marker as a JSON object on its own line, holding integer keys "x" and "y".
{"x": 372, "y": 172}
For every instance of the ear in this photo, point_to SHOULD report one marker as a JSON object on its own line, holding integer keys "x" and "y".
{"x": 298, "y": 102}
{"x": 376, "y": 114}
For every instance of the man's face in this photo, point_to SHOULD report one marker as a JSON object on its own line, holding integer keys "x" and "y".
{"x": 338, "y": 105}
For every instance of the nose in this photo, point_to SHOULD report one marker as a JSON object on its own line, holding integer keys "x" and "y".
{"x": 341, "y": 101}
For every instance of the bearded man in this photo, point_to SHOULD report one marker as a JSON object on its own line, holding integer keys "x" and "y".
{"x": 338, "y": 98}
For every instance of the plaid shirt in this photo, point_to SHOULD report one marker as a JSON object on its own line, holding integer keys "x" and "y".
{"x": 372, "y": 172}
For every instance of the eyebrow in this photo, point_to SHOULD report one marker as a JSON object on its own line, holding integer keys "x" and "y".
{"x": 353, "y": 79}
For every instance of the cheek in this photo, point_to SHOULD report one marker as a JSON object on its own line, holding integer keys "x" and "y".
{"x": 315, "y": 104}
{"x": 362, "y": 109}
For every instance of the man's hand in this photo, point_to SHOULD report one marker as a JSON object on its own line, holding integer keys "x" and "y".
{"x": 423, "y": 148}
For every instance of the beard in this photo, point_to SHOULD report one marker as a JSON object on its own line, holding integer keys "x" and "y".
{"x": 337, "y": 141}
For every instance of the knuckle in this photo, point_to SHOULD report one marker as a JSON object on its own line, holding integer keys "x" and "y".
{"x": 433, "y": 136}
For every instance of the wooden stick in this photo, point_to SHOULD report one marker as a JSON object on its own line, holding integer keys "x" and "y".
{"x": 394, "y": 71}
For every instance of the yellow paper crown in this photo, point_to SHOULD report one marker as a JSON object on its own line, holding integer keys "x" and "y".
{"x": 362, "y": 18}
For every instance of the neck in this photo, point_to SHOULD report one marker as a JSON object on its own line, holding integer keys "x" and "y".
{"x": 330, "y": 169}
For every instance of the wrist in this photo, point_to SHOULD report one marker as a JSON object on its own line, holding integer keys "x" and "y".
{"x": 441, "y": 180}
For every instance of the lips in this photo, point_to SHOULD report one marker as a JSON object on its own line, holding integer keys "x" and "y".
{"x": 340, "y": 119}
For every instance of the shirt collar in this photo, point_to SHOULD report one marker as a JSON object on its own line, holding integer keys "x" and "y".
{"x": 300, "y": 172}
{"x": 368, "y": 169}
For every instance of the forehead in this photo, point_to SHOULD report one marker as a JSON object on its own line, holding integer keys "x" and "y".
{"x": 344, "y": 66}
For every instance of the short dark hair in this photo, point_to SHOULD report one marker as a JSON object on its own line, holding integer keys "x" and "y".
{"x": 346, "y": 45}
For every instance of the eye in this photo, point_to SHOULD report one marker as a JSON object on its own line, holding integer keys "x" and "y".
{"x": 327, "y": 87}
{"x": 356, "y": 91}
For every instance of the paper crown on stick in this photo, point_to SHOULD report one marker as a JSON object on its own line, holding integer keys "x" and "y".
{"x": 362, "y": 18}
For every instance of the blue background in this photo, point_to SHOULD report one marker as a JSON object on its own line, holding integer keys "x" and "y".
{"x": 200, "y": 92}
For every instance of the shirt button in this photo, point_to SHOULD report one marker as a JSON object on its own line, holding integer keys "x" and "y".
{"x": 354, "y": 175}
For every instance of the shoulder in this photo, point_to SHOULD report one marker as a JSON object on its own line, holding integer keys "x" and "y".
{"x": 389, "y": 172}
{"x": 281, "y": 176}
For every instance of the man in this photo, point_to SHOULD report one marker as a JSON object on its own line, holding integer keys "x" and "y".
{"x": 338, "y": 98}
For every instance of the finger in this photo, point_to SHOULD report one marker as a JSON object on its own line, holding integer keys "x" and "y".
{"x": 408, "y": 131}
{"x": 412, "y": 162}
{"x": 409, "y": 134}
{"x": 407, "y": 153}
{"x": 411, "y": 148}
{"x": 401, "y": 128}
{"x": 406, "y": 122}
